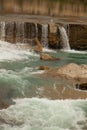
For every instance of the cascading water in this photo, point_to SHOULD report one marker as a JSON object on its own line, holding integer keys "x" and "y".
{"x": 36, "y": 30}
{"x": 64, "y": 38}
{"x": 33, "y": 111}
{"x": 44, "y": 37}
{"x": 2, "y": 31}
{"x": 67, "y": 28}
{"x": 19, "y": 32}
{"x": 23, "y": 32}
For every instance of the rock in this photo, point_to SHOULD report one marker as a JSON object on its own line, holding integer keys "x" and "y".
{"x": 73, "y": 72}
{"x": 44, "y": 68}
{"x": 53, "y": 36}
{"x": 29, "y": 31}
{"x": 4, "y": 104}
{"x": 47, "y": 57}
{"x": 39, "y": 46}
{"x": 63, "y": 92}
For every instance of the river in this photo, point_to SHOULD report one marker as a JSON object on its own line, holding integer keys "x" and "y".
{"x": 35, "y": 101}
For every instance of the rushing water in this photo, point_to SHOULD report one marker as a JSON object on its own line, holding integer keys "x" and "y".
{"x": 44, "y": 38}
{"x": 43, "y": 114}
{"x": 33, "y": 111}
{"x": 36, "y": 102}
{"x": 2, "y": 33}
{"x": 64, "y": 38}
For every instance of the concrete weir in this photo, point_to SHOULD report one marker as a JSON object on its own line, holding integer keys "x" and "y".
{"x": 49, "y": 34}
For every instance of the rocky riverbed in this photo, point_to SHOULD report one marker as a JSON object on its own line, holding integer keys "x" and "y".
{"x": 73, "y": 72}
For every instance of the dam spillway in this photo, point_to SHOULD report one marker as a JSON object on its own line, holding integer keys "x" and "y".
{"x": 24, "y": 31}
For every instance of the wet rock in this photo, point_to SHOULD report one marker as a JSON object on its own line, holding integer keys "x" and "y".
{"x": 5, "y": 103}
{"x": 72, "y": 72}
{"x": 39, "y": 46}
{"x": 47, "y": 57}
{"x": 53, "y": 36}
{"x": 44, "y": 68}
{"x": 62, "y": 92}
{"x": 78, "y": 36}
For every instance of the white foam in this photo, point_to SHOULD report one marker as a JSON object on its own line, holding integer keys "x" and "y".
{"x": 38, "y": 72}
{"x": 48, "y": 50}
{"x": 75, "y": 51}
{"x": 44, "y": 114}
{"x": 10, "y": 51}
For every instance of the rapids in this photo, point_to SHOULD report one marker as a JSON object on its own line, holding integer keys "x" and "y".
{"x": 29, "y": 100}
{"x": 33, "y": 109}
{"x": 44, "y": 114}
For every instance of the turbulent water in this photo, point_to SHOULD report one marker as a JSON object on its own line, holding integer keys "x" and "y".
{"x": 33, "y": 110}
{"x": 44, "y": 114}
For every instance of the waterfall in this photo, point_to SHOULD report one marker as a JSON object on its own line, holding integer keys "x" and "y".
{"x": 44, "y": 37}
{"x": 19, "y": 32}
{"x": 2, "y": 31}
{"x": 23, "y": 32}
{"x": 67, "y": 28}
{"x": 10, "y": 32}
{"x": 36, "y": 30}
{"x": 64, "y": 38}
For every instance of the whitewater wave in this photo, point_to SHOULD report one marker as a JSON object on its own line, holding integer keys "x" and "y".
{"x": 44, "y": 114}
{"x": 10, "y": 51}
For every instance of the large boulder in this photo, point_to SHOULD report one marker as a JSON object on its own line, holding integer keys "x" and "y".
{"x": 73, "y": 72}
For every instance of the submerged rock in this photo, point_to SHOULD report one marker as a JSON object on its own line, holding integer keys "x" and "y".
{"x": 47, "y": 57}
{"x": 44, "y": 68}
